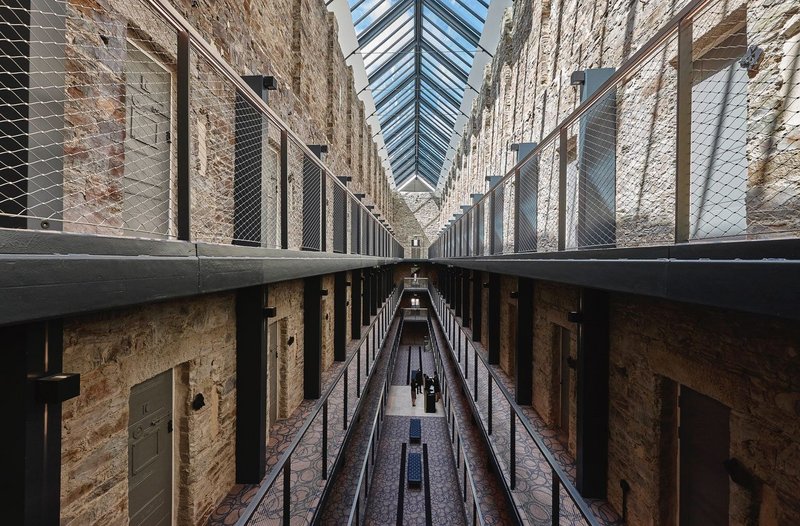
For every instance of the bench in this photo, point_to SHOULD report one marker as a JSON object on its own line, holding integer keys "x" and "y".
{"x": 414, "y": 469}
{"x": 415, "y": 430}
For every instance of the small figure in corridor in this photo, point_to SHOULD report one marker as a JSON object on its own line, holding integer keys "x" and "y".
{"x": 419, "y": 381}
{"x": 414, "y": 392}
{"x": 436, "y": 387}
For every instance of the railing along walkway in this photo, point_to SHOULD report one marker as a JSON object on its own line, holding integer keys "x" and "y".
{"x": 526, "y": 470}
{"x": 488, "y": 487}
{"x": 339, "y": 502}
{"x": 306, "y": 459}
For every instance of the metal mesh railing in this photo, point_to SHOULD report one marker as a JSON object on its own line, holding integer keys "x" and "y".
{"x": 527, "y": 209}
{"x": 340, "y": 223}
{"x": 119, "y": 119}
{"x": 692, "y": 138}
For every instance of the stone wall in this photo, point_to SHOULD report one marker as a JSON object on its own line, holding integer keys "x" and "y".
{"x": 196, "y": 338}
{"x": 415, "y": 214}
{"x": 327, "y": 321}
{"x": 508, "y": 324}
{"x": 552, "y": 303}
{"x": 294, "y": 40}
{"x": 287, "y": 298}
{"x": 526, "y": 92}
{"x": 747, "y": 363}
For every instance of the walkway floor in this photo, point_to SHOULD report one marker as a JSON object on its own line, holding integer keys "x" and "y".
{"x": 307, "y": 466}
{"x": 532, "y": 492}
{"x": 384, "y": 496}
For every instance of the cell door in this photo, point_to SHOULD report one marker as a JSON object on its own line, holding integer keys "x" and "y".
{"x": 704, "y": 443}
{"x": 272, "y": 364}
{"x": 561, "y": 340}
{"x": 150, "y": 452}
{"x": 146, "y": 185}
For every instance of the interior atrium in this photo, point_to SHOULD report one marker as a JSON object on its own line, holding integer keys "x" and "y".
{"x": 400, "y": 262}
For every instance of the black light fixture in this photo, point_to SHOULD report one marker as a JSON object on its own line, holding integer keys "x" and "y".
{"x": 270, "y": 312}
{"x": 58, "y": 388}
{"x": 575, "y": 317}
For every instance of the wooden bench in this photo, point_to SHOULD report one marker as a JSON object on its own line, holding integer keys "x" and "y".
{"x": 414, "y": 472}
{"x": 415, "y": 430}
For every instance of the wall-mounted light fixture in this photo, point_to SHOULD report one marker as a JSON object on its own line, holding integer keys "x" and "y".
{"x": 270, "y": 312}
{"x": 575, "y": 317}
{"x": 58, "y": 388}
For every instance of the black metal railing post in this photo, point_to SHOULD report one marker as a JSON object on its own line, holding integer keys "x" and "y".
{"x": 513, "y": 448}
{"x": 325, "y": 440}
{"x": 287, "y": 491}
{"x": 184, "y": 139}
{"x": 556, "y": 501}
{"x": 489, "y": 423}
{"x": 344, "y": 408}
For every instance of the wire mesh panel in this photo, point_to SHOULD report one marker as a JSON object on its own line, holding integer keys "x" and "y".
{"x": 339, "y": 219}
{"x": 646, "y": 151}
{"x": 509, "y": 189}
{"x": 247, "y": 173}
{"x": 294, "y": 195}
{"x": 355, "y": 228}
{"x": 365, "y": 249}
{"x": 528, "y": 212}
{"x": 481, "y": 229}
{"x": 547, "y": 201}
{"x": 497, "y": 201}
{"x": 86, "y": 123}
{"x": 312, "y": 204}
{"x": 596, "y": 182}
{"x": 214, "y": 109}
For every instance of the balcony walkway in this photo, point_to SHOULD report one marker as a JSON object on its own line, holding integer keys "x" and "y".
{"x": 283, "y": 432}
{"x": 532, "y": 493}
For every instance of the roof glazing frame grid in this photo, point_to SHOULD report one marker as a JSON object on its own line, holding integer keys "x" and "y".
{"x": 446, "y": 36}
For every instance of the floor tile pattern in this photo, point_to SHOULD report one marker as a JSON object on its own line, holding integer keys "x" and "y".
{"x": 532, "y": 492}
{"x": 447, "y": 506}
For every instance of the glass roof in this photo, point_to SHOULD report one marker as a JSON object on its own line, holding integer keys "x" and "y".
{"x": 418, "y": 55}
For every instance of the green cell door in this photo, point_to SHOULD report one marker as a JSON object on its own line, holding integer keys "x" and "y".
{"x": 150, "y": 452}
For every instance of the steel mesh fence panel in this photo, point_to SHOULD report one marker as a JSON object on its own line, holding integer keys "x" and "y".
{"x": 481, "y": 229}
{"x": 312, "y": 205}
{"x": 508, "y": 216}
{"x": 497, "y": 201}
{"x": 86, "y": 124}
{"x": 339, "y": 219}
{"x": 547, "y": 200}
{"x": 355, "y": 222}
{"x": 528, "y": 212}
{"x": 595, "y": 224}
{"x": 214, "y": 107}
{"x": 646, "y": 151}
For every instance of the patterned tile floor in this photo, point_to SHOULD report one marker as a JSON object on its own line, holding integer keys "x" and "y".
{"x": 489, "y": 489}
{"x": 307, "y": 483}
{"x": 340, "y": 500}
{"x": 532, "y": 493}
{"x": 447, "y": 506}
{"x": 383, "y": 494}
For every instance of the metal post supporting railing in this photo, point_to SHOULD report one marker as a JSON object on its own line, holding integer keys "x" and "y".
{"x": 556, "y": 500}
{"x": 344, "y": 408}
{"x": 325, "y": 440}
{"x": 491, "y": 388}
{"x": 513, "y": 448}
{"x": 287, "y": 491}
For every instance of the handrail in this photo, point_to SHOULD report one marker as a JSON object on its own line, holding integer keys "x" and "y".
{"x": 440, "y": 367}
{"x": 278, "y": 468}
{"x": 627, "y": 67}
{"x": 573, "y": 493}
{"x": 378, "y": 418}
{"x": 199, "y": 44}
